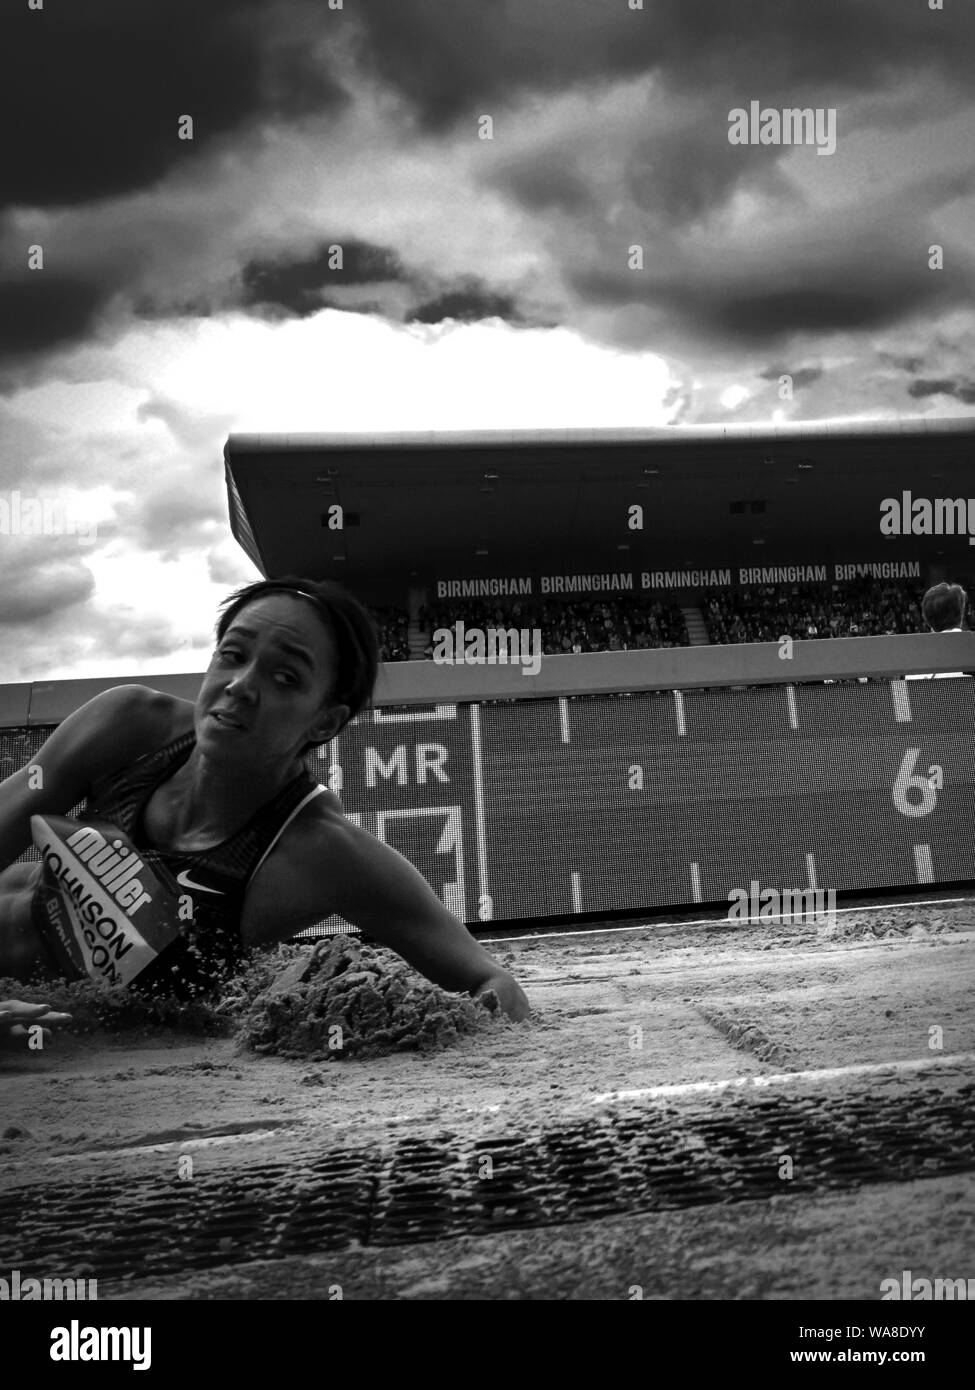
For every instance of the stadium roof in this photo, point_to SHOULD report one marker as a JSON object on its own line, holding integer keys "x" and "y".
{"x": 423, "y": 505}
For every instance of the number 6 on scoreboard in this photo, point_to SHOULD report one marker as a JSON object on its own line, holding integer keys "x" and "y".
{"x": 907, "y": 780}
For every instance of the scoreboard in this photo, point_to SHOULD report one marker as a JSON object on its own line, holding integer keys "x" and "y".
{"x": 516, "y": 809}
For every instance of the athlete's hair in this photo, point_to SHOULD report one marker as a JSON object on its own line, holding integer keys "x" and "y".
{"x": 943, "y": 606}
{"x": 348, "y": 621}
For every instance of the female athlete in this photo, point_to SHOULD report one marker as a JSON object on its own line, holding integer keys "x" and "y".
{"x": 207, "y": 816}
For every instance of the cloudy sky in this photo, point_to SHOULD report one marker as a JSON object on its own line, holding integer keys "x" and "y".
{"x": 186, "y": 288}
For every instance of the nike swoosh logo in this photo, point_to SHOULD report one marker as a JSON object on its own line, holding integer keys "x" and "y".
{"x": 184, "y": 878}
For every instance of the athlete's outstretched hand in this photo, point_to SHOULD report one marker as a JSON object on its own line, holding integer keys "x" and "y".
{"x": 509, "y": 994}
{"x": 16, "y": 1018}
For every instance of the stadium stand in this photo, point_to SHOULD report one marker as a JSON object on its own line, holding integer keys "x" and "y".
{"x": 392, "y": 625}
{"x": 864, "y": 608}
{"x": 596, "y": 625}
{"x": 861, "y": 608}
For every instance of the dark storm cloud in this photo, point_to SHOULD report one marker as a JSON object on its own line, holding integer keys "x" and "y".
{"x": 41, "y": 308}
{"x": 90, "y": 105}
{"x": 759, "y": 314}
{"x": 453, "y": 61}
{"x": 871, "y": 286}
{"x": 468, "y": 303}
{"x": 804, "y": 376}
{"x": 679, "y": 173}
{"x": 961, "y": 390}
{"x": 93, "y": 90}
{"x": 174, "y": 304}
{"x": 541, "y": 182}
{"x": 300, "y": 285}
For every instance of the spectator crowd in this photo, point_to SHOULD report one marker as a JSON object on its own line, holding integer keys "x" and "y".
{"x": 611, "y": 625}
{"x": 595, "y": 625}
{"x": 762, "y": 613}
{"x": 392, "y": 628}
{"x": 862, "y": 608}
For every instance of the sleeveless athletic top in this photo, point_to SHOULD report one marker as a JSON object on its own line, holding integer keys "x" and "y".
{"x": 216, "y": 879}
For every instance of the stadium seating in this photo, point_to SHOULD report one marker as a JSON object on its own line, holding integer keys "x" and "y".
{"x": 611, "y": 624}
{"x": 861, "y": 608}
{"x": 864, "y": 608}
{"x": 392, "y": 625}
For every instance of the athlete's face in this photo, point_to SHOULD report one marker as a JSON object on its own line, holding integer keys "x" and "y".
{"x": 263, "y": 690}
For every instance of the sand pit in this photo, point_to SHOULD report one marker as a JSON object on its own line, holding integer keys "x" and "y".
{"x": 97, "y": 1008}
{"x": 340, "y": 1001}
{"x": 618, "y": 1015}
{"x": 347, "y": 1000}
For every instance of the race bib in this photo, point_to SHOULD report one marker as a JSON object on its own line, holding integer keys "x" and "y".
{"x": 100, "y": 908}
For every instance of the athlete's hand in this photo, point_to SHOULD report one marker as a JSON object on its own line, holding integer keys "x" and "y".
{"x": 509, "y": 993}
{"x": 16, "y": 1018}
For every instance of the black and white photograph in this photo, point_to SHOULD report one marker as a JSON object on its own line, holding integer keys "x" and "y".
{"x": 487, "y": 589}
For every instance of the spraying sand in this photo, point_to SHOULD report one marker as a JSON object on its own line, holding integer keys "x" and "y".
{"x": 348, "y": 1000}
{"x": 340, "y": 1001}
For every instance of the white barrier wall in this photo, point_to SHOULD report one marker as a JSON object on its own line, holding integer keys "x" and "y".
{"x": 666, "y": 668}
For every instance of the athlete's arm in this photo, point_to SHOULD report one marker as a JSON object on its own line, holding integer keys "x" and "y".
{"x": 348, "y": 871}
{"x": 102, "y": 736}
{"x": 387, "y": 898}
{"x": 17, "y": 1019}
